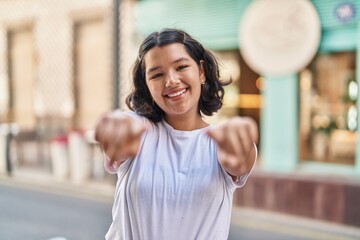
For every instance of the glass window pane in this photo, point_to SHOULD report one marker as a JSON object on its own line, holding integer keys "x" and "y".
{"x": 328, "y": 113}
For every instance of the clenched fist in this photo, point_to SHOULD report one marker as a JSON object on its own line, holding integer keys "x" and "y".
{"x": 119, "y": 136}
{"x": 236, "y": 141}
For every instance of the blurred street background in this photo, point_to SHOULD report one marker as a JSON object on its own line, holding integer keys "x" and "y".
{"x": 294, "y": 66}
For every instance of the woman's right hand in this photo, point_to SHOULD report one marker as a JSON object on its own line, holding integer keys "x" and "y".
{"x": 119, "y": 136}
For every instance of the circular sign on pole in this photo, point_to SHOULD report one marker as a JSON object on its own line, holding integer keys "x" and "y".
{"x": 279, "y": 37}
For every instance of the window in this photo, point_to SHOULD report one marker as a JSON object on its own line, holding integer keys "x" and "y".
{"x": 21, "y": 61}
{"x": 328, "y": 113}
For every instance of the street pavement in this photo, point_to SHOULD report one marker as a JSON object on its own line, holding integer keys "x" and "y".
{"x": 35, "y": 215}
{"x": 35, "y": 207}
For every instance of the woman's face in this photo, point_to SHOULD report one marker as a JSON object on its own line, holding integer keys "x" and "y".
{"x": 174, "y": 79}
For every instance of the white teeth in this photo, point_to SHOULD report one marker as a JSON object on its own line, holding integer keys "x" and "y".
{"x": 177, "y": 93}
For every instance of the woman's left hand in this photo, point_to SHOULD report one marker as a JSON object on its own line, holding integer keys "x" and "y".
{"x": 236, "y": 139}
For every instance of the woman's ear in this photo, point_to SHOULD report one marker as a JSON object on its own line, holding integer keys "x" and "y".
{"x": 202, "y": 70}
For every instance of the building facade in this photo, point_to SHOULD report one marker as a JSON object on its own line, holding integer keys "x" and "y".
{"x": 52, "y": 64}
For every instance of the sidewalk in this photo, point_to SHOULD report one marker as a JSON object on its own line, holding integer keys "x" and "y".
{"x": 43, "y": 181}
{"x": 268, "y": 223}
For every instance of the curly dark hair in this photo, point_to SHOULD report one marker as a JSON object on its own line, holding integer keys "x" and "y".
{"x": 212, "y": 92}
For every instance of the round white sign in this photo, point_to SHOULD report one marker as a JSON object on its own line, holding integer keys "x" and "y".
{"x": 279, "y": 37}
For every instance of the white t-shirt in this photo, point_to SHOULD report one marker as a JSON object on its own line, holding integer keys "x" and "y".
{"x": 174, "y": 188}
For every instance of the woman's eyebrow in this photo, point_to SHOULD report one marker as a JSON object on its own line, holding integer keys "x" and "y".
{"x": 180, "y": 59}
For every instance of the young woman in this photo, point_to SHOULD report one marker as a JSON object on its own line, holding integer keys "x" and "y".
{"x": 176, "y": 173}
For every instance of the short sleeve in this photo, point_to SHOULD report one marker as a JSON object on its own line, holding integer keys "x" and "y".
{"x": 115, "y": 167}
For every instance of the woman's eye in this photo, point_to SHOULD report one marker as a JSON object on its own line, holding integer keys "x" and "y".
{"x": 156, "y": 76}
{"x": 181, "y": 67}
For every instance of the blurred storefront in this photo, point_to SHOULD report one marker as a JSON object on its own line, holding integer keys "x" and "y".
{"x": 56, "y": 78}
{"x": 309, "y": 153}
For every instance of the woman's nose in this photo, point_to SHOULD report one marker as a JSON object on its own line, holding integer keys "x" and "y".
{"x": 171, "y": 80}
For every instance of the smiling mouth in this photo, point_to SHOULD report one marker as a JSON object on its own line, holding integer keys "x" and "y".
{"x": 177, "y": 93}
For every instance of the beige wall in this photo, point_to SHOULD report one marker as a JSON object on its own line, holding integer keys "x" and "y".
{"x": 129, "y": 47}
{"x": 92, "y": 78}
{"x": 52, "y": 24}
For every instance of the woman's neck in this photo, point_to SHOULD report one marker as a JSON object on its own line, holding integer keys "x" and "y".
{"x": 185, "y": 123}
